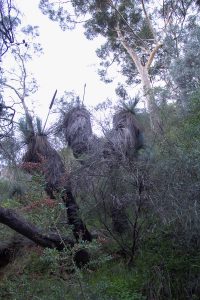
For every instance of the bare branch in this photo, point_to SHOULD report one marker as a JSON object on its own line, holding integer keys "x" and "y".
{"x": 11, "y": 219}
{"x": 14, "y": 89}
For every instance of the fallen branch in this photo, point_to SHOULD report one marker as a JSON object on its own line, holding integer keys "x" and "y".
{"x": 16, "y": 222}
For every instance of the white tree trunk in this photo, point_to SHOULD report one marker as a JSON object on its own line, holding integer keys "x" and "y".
{"x": 145, "y": 78}
{"x": 150, "y": 100}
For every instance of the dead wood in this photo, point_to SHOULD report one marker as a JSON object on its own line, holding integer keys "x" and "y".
{"x": 16, "y": 222}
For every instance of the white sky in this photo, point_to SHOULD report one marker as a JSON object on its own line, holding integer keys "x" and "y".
{"x": 69, "y": 61}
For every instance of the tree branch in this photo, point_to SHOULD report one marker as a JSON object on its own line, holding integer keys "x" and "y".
{"x": 9, "y": 218}
{"x": 130, "y": 51}
{"x": 14, "y": 89}
{"x": 152, "y": 55}
{"x": 23, "y": 83}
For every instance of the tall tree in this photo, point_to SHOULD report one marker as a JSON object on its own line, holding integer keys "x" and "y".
{"x": 17, "y": 83}
{"x": 135, "y": 31}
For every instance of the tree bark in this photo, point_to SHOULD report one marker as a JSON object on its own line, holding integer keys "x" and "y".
{"x": 9, "y": 218}
{"x": 152, "y": 107}
{"x": 19, "y": 224}
{"x": 80, "y": 230}
{"x": 143, "y": 70}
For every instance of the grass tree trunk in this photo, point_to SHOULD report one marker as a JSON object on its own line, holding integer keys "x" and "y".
{"x": 52, "y": 167}
{"x": 80, "y": 230}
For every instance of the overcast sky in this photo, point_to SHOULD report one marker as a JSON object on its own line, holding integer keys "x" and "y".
{"x": 69, "y": 61}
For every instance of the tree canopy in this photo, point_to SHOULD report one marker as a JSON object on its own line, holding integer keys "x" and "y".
{"x": 139, "y": 36}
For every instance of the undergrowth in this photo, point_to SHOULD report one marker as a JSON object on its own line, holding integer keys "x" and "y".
{"x": 166, "y": 261}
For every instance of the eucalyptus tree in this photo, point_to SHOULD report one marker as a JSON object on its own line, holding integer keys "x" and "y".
{"x": 9, "y": 19}
{"x": 18, "y": 44}
{"x": 16, "y": 88}
{"x": 135, "y": 33}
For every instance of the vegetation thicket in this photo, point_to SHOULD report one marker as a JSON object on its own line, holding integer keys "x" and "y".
{"x": 115, "y": 216}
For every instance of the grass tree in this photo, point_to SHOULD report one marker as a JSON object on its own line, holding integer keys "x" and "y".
{"x": 126, "y": 137}
{"x": 39, "y": 151}
{"x": 77, "y": 129}
{"x": 121, "y": 148}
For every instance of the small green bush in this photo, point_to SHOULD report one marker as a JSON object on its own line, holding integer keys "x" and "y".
{"x": 112, "y": 281}
{"x": 4, "y": 188}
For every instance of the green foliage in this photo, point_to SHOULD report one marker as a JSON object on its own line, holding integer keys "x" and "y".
{"x": 183, "y": 130}
{"x": 113, "y": 281}
{"x": 104, "y": 17}
{"x": 145, "y": 32}
{"x": 185, "y": 68}
{"x": 166, "y": 270}
{"x": 47, "y": 274}
{"x": 156, "y": 195}
{"x": 35, "y": 287}
{"x": 146, "y": 210}
{"x": 50, "y": 259}
{"x": 10, "y": 203}
{"x": 4, "y": 188}
{"x": 165, "y": 262}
